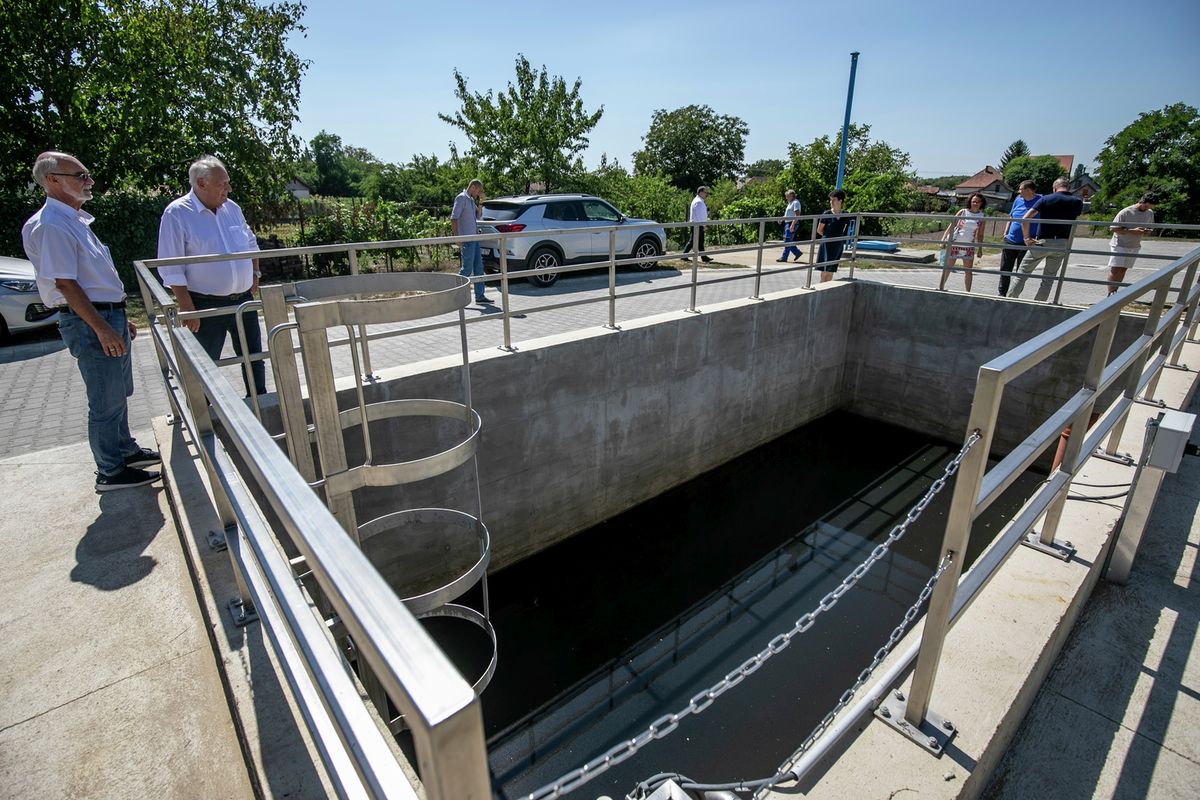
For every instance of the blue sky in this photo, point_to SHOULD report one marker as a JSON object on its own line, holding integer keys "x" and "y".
{"x": 936, "y": 79}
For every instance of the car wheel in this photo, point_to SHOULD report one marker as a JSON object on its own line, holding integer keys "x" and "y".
{"x": 543, "y": 258}
{"x": 645, "y": 249}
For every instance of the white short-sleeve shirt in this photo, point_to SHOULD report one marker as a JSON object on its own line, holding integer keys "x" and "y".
{"x": 699, "y": 210}
{"x": 189, "y": 228}
{"x": 59, "y": 241}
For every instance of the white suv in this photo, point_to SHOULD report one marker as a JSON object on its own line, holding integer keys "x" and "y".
{"x": 557, "y": 212}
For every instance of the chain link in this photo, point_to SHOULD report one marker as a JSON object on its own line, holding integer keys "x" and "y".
{"x": 702, "y": 700}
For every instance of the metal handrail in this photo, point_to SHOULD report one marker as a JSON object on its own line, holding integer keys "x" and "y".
{"x": 439, "y": 706}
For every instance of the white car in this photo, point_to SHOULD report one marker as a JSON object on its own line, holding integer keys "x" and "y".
{"x": 555, "y": 212}
{"x": 21, "y": 307}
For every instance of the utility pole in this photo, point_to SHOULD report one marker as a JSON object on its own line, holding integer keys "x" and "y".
{"x": 841, "y": 173}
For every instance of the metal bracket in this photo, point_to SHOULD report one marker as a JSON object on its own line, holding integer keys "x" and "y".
{"x": 172, "y": 419}
{"x": 611, "y": 327}
{"x": 506, "y": 349}
{"x": 241, "y": 613}
{"x": 1183, "y": 367}
{"x": 934, "y": 733}
{"x": 1148, "y": 402}
{"x": 216, "y": 541}
{"x": 691, "y": 311}
{"x": 1117, "y": 458}
{"x": 1059, "y": 548}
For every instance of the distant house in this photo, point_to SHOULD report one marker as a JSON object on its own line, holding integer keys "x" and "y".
{"x": 1084, "y": 187}
{"x": 1068, "y": 162}
{"x": 989, "y": 182}
{"x": 299, "y": 189}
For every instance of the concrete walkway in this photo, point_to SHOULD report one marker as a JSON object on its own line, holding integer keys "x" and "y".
{"x": 1119, "y": 716}
{"x": 108, "y": 683}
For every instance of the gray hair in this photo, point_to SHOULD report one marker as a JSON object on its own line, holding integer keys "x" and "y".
{"x": 475, "y": 182}
{"x": 1063, "y": 182}
{"x": 792, "y": 192}
{"x": 203, "y": 167}
{"x": 46, "y": 163}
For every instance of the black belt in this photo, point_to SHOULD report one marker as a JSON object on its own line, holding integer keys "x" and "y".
{"x": 234, "y": 296}
{"x": 98, "y": 307}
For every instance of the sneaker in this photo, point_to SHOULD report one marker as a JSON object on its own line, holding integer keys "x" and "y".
{"x": 705, "y": 259}
{"x": 782, "y": 260}
{"x": 484, "y": 300}
{"x": 144, "y": 457}
{"x": 125, "y": 479}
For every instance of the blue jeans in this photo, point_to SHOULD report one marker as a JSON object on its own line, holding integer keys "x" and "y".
{"x": 109, "y": 382}
{"x": 472, "y": 264}
{"x": 789, "y": 235}
{"x": 213, "y": 331}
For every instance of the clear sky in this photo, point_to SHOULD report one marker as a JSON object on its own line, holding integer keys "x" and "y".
{"x": 936, "y": 79}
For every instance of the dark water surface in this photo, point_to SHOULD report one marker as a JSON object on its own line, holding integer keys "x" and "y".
{"x": 659, "y": 602}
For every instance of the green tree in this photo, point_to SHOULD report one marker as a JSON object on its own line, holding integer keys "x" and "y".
{"x": 1015, "y": 150}
{"x": 1042, "y": 170}
{"x": 337, "y": 170}
{"x": 139, "y": 88}
{"x": 534, "y": 130}
{"x": 765, "y": 168}
{"x": 878, "y": 176}
{"x": 692, "y": 146}
{"x": 1160, "y": 152}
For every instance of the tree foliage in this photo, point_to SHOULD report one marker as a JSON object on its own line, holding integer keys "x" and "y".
{"x": 1160, "y": 152}
{"x": 1014, "y": 150}
{"x": 877, "y": 175}
{"x": 692, "y": 146}
{"x": 765, "y": 168}
{"x": 1042, "y": 170}
{"x": 333, "y": 169}
{"x": 534, "y": 130}
{"x": 140, "y": 88}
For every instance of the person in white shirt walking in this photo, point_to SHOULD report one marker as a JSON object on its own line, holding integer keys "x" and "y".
{"x": 698, "y": 214}
{"x": 791, "y": 226}
{"x": 206, "y": 222}
{"x": 1127, "y": 236}
{"x": 74, "y": 273}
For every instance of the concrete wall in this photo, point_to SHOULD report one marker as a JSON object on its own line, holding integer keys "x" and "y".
{"x": 582, "y": 426}
{"x": 914, "y": 355}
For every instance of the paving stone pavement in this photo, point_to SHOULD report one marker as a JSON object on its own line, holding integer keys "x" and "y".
{"x": 43, "y": 404}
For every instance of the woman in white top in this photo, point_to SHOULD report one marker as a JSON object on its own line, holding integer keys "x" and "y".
{"x": 967, "y": 227}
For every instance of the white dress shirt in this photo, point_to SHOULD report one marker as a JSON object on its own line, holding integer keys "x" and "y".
{"x": 699, "y": 211}
{"x": 189, "y": 228}
{"x": 59, "y": 241}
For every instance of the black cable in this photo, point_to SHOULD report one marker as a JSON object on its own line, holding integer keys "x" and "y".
{"x": 1097, "y": 497}
{"x": 1101, "y": 485}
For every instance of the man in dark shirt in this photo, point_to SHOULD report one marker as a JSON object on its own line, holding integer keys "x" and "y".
{"x": 833, "y": 224}
{"x": 1052, "y": 246}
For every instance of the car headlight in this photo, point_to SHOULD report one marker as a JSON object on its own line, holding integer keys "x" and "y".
{"x": 18, "y": 285}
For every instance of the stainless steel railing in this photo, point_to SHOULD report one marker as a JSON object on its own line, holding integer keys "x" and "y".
{"x": 438, "y": 705}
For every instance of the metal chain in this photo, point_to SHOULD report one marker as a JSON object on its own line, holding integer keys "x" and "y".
{"x": 666, "y": 724}
{"x": 787, "y": 775}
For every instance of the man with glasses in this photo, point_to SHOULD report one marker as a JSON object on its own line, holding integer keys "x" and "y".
{"x": 1051, "y": 247}
{"x": 1127, "y": 232}
{"x": 206, "y": 222}
{"x": 75, "y": 274}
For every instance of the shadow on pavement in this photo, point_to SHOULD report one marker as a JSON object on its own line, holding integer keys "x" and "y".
{"x": 25, "y": 345}
{"x": 110, "y": 554}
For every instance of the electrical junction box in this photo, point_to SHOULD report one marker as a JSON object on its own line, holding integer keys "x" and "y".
{"x": 1174, "y": 430}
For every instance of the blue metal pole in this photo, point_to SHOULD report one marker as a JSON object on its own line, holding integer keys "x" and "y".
{"x": 846, "y": 123}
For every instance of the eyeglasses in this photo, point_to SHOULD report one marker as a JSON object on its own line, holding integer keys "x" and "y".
{"x": 80, "y": 176}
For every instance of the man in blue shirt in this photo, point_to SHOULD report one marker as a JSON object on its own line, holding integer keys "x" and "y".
{"x": 1010, "y": 257}
{"x": 1052, "y": 246}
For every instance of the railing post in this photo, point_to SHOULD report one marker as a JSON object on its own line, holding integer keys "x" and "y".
{"x": 1134, "y": 376}
{"x": 368, "y": 373}
{"x": 762, "y": 238}
{"x": 1072, "y": 454}
{"x": 1189, "y": 320}
{"x": 1062, "y": 268}
{"x": 612, "y": 278}
{"x": 984, "y": 407}
{"x": 506, "y": 316}
{"x": 151, "y": 318}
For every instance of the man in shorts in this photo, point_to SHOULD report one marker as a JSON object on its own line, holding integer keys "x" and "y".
{"x": 1127, "y": 233}
{"x": 832, "y": 225}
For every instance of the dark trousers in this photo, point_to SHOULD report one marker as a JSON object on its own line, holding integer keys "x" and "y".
{"x": 214, "y": 329}
{"x": 700, "y": 242}
{"x": 1010, "y": 259}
